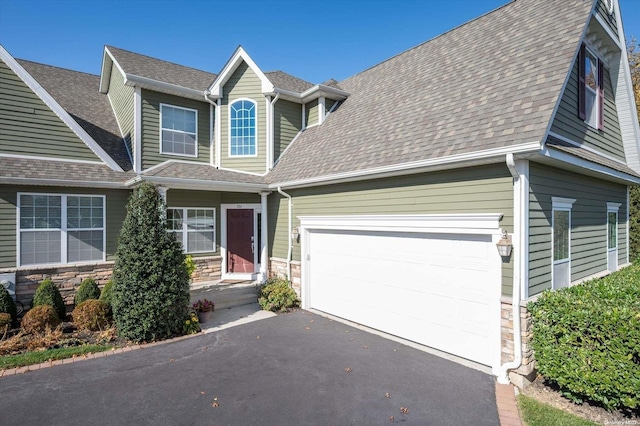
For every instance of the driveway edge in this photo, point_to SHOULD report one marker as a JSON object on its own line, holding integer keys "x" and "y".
{"x": 507, "y": 406}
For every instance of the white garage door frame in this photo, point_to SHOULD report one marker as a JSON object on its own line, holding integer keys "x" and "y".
{"x": 487, "y": 224}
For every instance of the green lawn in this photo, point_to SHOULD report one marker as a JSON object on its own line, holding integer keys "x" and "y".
{"x": 535, "y": 413}
{"x": 12, "y": 361}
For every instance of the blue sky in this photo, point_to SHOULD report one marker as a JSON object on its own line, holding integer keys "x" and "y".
{"x": 314, "y": 40}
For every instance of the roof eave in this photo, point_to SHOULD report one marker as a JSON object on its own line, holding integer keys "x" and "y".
{"x": 200, "y": 184}
{"x": 161, "y": 86}
{"x": 61, "y": 182}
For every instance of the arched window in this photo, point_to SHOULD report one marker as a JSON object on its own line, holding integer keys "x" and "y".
{"x": 243, "y": 128}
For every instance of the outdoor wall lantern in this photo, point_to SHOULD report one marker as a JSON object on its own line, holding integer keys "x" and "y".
{"x": 295, "y": 234}
{"x": 504, "y": 245}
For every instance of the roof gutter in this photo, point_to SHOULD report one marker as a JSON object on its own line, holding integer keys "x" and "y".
{"x": 182, "y": 183}
{"x": 312, "y": 93}
{"x": 148, "y": 83}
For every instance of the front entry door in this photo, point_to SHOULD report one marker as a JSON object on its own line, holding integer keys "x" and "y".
{"x": 240, "y": 241}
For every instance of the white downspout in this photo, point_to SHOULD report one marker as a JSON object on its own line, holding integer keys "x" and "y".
{"x": 214, "y": 130}
{"x": 503, "y": 371}
{"x": 272, "y": 150}
{"x": 290, "y": 250}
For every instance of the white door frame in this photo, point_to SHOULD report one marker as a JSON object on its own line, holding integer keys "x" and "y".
{"x": 257, "y": 209}
{"x": 474, "y": 224}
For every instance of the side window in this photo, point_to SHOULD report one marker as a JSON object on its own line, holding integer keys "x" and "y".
{"x": 612, "y": 236}
{"x": 591, "y": 88}
{"x": 561, "y": 244}
{"x": 193, "y": 228}
{"x": 178, "y": 131}
{"x": 242, "y": 129}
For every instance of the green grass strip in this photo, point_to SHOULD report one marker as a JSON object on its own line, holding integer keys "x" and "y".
{"x": 30, "y": 358}
{"x": 535, "y": 413}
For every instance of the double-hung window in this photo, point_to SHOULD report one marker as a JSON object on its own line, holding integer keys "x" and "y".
{"x": 194, "y": 228}
{"x": 561, "y": 247}
{"x": 591, "y": 88}
{"x": 178, "y": 131}
{"x": 612, "y": 236}
{"x": 242, "y": 129}
{"x": 60, "y": 229}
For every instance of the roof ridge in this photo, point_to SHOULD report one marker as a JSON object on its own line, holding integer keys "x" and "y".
{"x": 511, "y": 2}
{"x": 55, "y": 66}
{"x": 158, "y": 59}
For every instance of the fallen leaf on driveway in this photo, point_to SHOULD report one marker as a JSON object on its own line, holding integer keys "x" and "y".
{"x": 215, "y": 404}
{"x": 387, "y": 395}
{"x": 404, "y": 410}
{"x": 172, "y": 359}
{"x": 348, "y": 370}
{"x": 205, "y": 348}
{"x": 312, "y": 321}
{"x": 258, "y": 337}
{"x": 201, "y": 392}
{"x": 346, "y": 331}
{"x": 365, "y": 347}
{"x": 307, "y": 328}
{"x": 391, "y": 418}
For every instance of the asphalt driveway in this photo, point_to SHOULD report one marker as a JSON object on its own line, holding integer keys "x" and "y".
{"x": 293, "y": 369}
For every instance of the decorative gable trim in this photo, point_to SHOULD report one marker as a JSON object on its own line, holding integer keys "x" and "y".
{"x": 57, "y": 109}
{"x": 108, "y": 61}
{"x": 215, "y": 91}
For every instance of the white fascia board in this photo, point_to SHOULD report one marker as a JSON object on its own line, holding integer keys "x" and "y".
{"x": 105, "y": 74}
{"x": 488, "y": 156}
{"x": 322, "y": 90}
{"x": 606, "y": 28}
{"x": 207, "y": 185}
{"x": 161, "y": 86}
{"x": 60, "y": 182}
{"x": 549, "y": 152}
{"x": 215, "y": 90}
{"x": 477, "y": 224}
{"x": 57, "y": 109}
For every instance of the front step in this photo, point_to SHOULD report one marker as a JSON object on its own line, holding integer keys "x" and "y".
{"x": 227, "y": 295}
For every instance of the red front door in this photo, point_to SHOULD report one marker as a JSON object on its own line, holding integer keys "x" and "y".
{"x": 240, "y": 240}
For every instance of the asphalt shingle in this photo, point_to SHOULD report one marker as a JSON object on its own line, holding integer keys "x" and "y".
{"x": 50, "y": 170}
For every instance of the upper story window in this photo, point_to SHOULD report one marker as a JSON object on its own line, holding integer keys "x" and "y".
{"x": 178, "y": 131}
{"x": 242, "y": 129}
{"x": 591, "y": 89}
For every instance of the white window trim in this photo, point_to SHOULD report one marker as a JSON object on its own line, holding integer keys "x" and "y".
{"x": 255, "y": 104}
{"x": 587, "y": 88}
{"x": 560, "y": 204}
{"x": 63, "y": 229}
{"x": 185, "y": 231}
{"x": 162, "y": 105}
{"x": 613, "y": 208}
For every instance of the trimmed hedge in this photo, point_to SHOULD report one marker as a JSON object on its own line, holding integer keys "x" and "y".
{"x": 278, "y": 296}
{"x": 92, "y": 314}
{"x": 586, "y": 339}
{"x": 40, "y": 319}
{"x": 88, "y": 290}
{"x": 48, "y": 294}
{"x": 7, "y": 305}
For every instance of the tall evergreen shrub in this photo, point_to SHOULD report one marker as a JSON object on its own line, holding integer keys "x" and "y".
{"x": 151, "y": 283}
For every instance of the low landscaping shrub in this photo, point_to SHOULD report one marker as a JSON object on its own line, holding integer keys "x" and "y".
{"x": 40, "y": 319}
{"x": 88, "y": 290}
{"x": 7, "y": 305}
{"x": 278, "y": 296}
{"x": 106, "y": 295}
{"x": 5, "y": 320}
{"x": 586, "y": 339}
{"x": 48, "y": 294}
{"x": 91, "y": 315}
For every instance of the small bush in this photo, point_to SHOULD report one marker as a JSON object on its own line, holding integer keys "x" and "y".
{"x": 40, "y": 319}
{"x": 106, "y": 295}
{"x": 277, "y": 296}
{"x": 190, "y": 264}
{"x": 7, "y": 305}
{"x": 586, "y": 339}
{"x": 5, "y": 320}
{"x": 91, "y": 315}
{"x": 48, "y": 294}
{"x": 88, "y": 290}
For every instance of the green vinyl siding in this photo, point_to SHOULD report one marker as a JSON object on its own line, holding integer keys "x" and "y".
{"x": 473, "y": 190}
{"x": 29, "y": 127}
{"x": 116, "y": 201}
{"x": 244, "y": 84}
{"x": 588, "y": 223}
{"x": 287, "y": 124}
{"x": 151, "y": 101}
{"x": 610, "y": 20}
{"x": 198, "y": 199}
{"x": 122, "y": 101}
{"x": 567, "y": 123}
{"x": 311, "y": 113}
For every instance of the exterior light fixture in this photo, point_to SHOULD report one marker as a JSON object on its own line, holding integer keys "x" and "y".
{"x": 295, "y": 234}
{"x": 504, "y": 245}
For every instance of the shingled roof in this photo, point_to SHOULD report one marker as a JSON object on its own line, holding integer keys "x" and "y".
{"x": 285, "y": 81}
{"x": 490, "y": 83}
{"x": 77, "y": 93}
{"x": 61, "y": 171}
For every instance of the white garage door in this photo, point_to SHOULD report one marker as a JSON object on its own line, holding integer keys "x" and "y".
{"x": 440, "y": 290}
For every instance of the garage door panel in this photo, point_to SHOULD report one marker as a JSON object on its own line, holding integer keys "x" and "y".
{"x": 428, "y": 288}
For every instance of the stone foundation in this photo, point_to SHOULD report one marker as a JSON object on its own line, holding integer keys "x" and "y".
{"x": 208, "y": 268}
{"x": 525, "y": 374}
{"x": 278, "y": 268}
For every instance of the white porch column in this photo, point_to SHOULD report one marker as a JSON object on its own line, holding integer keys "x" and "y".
{"x": 162, "y": 190}
{"x": 264, "y": 255}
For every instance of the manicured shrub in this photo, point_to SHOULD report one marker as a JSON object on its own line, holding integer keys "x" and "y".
{"x": 106, "y": 295}
{"x": 91, "y": 315}
{"x": 88, "y": 290}
{"x": 7, "y": 305}
{"x": 151, "y": 284}
{"x": 277, "y": 296}
{"x": 40, "y": 319}
{"x": 48, "y": 294}
{"x": 634, "y": 223}
{"x": 586, "y": 339}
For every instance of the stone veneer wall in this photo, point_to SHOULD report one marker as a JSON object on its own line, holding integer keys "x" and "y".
{"x": 278, "y": 268}
{"x": 68, "y": 278}
{"x": 525, "y": 374}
